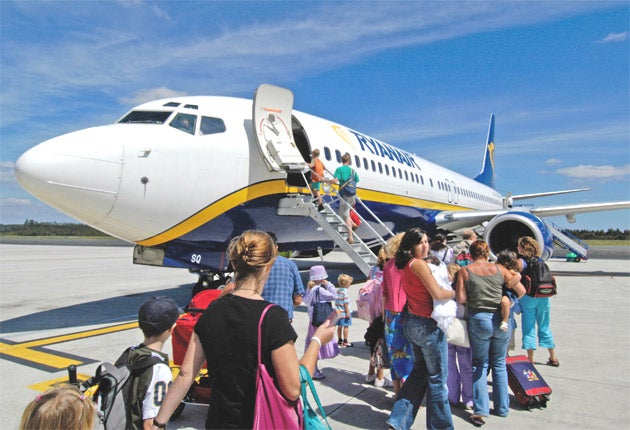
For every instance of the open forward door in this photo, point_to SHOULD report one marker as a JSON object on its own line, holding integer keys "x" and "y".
{"x": 272, "y": 126}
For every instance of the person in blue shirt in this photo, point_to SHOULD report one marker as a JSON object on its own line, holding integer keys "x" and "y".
{"x": 284, "y": 286}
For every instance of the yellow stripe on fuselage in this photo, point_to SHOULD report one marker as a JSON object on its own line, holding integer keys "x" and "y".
{"x": 269, "y": 188}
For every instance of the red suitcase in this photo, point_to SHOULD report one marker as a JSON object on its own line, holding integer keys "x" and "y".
{"x": 528, "y": 386}
{"x": 186, "y": 323}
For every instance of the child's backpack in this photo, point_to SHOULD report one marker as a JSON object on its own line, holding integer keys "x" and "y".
{"x": 370, "y": 300}
{"x": 463, "y": 258}
{"x": 538, "y": 280}
{"x": 120, "y": 391}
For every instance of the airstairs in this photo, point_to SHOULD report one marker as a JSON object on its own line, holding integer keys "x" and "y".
{"x": 360, "y": 251}
{"x": 566, "y": 240}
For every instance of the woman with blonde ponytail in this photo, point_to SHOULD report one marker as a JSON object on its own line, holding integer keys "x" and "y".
{"x": 226, "y": 337}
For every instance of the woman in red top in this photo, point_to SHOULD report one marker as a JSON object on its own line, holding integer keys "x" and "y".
{"x": 428, "y": 341}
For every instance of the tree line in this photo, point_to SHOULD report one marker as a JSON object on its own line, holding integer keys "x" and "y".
{"x": 34, "y": 228}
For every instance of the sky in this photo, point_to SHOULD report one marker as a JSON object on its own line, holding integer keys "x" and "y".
{"x": 422, "y": 76}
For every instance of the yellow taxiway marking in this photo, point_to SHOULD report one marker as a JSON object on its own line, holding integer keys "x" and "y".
{"x": 34, "y": 354}
{"x": 43, "y": 386}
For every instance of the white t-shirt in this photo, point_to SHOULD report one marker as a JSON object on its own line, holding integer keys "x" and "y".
{"x": 160, "y": 381}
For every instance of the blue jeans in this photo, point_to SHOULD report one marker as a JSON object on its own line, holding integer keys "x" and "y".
{"x": 489, "y": 348}
{"x": 429, "y": 372}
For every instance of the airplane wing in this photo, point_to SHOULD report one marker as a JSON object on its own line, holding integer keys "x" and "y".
{"x": 458, "y": 220}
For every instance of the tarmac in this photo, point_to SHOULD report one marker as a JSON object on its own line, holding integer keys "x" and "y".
{"x": 63, "y": 305}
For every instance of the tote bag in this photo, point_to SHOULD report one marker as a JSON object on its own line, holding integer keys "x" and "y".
{"x": 457, "y": 333}
{"x": 320, "y": 310}
{"x": 312, "y": 421}
{"x": 272, "y": 410}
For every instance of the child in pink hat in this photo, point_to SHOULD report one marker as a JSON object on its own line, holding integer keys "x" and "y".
{"x": 319, "y": 290}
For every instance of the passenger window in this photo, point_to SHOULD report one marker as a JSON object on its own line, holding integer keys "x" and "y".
{"x": 210, "y": 125}
{"x": 357, "y": 161}
{"x": 387, "y": 170}
{"x": 365, "y": 163}
{"x": 373, "y": 165}
{"x": 184, "y": 122}
{"x": 327, "y": 153}
{"x": 338, "y": 155}
{"x": 380, "y": 168}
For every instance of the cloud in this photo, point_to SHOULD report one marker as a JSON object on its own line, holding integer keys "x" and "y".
{"x": 6, "y": 172}
{"x": 12, "y": 201}
{"x": 615, "y": 37}
{"x": 604, "y": 173}
{"x": 553, "y": 162}
{"x": 151, "y": 94}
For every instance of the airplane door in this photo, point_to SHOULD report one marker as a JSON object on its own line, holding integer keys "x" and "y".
{"x": 272, "y": 126}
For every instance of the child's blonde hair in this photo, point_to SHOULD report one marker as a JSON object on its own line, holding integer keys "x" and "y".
{"x": 452, "y": 270}
{"x": 59, "y": 408}
{"x": 345, "y": 280}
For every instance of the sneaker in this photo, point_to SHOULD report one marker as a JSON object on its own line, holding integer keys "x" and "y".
{"x": 383, "y": 383}
{"x": 468, "y": 407}
{"x": 504, "y": 326}
{"x": 318, "y": 375}
{"x": 370, "y": 378}
{"x": 320, "y": 208}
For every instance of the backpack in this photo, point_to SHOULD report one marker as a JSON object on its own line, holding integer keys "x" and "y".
{"x": 538, "y": 280}
{"x": 463, "y": 259}
{"x": 349, "y": 188}
{"x": 118, "y": 397}
{"x": 370, "y": 300}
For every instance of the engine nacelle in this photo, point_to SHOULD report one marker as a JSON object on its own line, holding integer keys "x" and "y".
{"x": 503, "y": 232}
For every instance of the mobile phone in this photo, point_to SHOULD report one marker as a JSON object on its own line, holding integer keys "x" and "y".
{"x": 333, "y": 318}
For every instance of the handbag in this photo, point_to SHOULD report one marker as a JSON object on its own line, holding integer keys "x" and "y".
{"x": 272, "y": 410}
{"x": 320, "y": 310}
{"x": 312, "y": 421}
{"x": 457, "y": 333}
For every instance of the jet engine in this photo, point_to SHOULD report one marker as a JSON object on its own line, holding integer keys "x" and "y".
{"x": 503, "y": 232}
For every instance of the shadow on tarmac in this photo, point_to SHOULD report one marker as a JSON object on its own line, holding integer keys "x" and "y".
{"x": 111, "y": 310}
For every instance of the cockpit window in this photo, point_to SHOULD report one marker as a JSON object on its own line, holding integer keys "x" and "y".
{"x": 184, "y": 122}
{"x": 146, "y": 117}
{"x": 171, "y": 104}
{"x": 211, "y": 125}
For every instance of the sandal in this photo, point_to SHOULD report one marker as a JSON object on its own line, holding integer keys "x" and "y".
{"x": 477, "y": 420}
{"x": 554, "y": 363}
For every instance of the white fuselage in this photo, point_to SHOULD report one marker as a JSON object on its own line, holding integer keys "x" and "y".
{"x": 150, "y": 183}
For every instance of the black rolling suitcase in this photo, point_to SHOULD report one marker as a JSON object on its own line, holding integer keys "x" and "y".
{"x": 529, "y": 388}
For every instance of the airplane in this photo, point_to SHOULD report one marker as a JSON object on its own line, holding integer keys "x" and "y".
{"x": 180, "y": 177}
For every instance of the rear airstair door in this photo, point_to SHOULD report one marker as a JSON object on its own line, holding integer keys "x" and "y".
{"x": 272, "y": 127}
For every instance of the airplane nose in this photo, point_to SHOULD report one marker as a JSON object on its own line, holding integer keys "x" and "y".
{"x": 77, "y": 173}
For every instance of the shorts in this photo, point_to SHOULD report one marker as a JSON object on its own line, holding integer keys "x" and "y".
{"x": 344, "y": 322}
{"x": 316, "y": 186}
{"x": 345, "y": 204}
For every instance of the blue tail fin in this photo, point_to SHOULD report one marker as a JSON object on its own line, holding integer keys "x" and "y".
{"x": 486, "y": 176}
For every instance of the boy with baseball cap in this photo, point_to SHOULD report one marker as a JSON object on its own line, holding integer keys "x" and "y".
{"x": 156, "y": 318}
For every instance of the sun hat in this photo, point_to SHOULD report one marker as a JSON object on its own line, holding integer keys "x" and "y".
{"x": 318, "y": 273}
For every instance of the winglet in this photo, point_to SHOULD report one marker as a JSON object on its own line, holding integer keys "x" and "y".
{"x": 486, "y": 176}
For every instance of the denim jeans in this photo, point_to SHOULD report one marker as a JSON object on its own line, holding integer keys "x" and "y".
{"x": 428, "y": 376}
{"x": 489, "y": 347}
